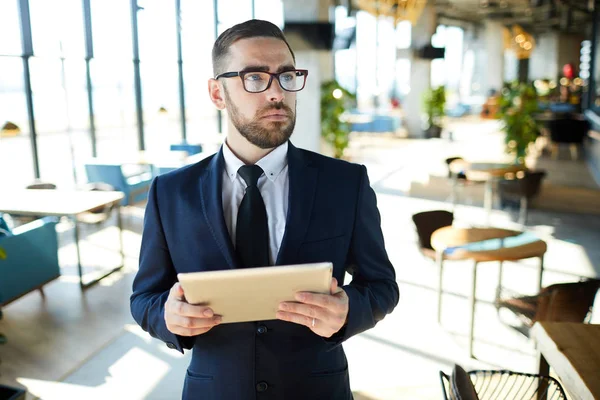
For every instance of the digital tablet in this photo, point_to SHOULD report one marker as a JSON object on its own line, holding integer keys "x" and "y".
{"x": 254, "y": 294}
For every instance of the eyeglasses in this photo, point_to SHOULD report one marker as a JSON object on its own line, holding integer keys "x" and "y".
{"x": 259, "y": 81}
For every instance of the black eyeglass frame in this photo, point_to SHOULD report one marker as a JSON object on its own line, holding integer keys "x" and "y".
{"x": 272, "y": 75}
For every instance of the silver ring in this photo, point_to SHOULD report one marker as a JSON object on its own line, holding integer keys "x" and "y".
{"x": 313, "y": 322}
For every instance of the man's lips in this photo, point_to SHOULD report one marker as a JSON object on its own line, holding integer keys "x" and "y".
{"x": 276, "y": 115}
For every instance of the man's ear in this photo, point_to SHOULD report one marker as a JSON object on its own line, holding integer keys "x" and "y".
{"x": 215, "y": 92}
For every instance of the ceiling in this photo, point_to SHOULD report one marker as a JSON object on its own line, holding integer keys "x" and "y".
{"x": 536, "y": 16}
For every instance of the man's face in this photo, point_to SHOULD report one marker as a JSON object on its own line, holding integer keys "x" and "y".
{"x": 265, "y": 119}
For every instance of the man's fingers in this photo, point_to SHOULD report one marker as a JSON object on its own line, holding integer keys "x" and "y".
{"x": 188, "y": 310}
{"x": 193, "y": 323}
{"x": 331, "y": 302}
{"x": 333, "y": 286}
{"x": 178, "y": 330}
{"x": 304, "y": 309}
{"x": 177, "y": 291}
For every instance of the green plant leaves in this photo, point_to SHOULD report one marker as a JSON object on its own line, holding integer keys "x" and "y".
{"x": 434, "y": 103}
{"x": 335, "y": 100}
{"x": 518, "y": 105}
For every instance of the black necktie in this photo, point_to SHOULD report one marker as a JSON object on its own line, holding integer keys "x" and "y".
{"x": 252, "y": 231}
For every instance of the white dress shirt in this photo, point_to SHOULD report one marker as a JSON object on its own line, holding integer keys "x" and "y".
{"x": 274, "y": 189}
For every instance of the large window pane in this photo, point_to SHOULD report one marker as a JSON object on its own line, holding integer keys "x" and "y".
{"x": 233, "y": 12}
{"x": 57, "y": 33}
{"x": 114, "y": 108}
{"x": 160, "y": 90}
{"x": 15, "y": 150}
{"x": 269, "y": 10}
{"x": 61, "y": 115}
{"x": 197, "y": 21}
{"x": 10, "y": 43}
{"x": 111, "y": 28}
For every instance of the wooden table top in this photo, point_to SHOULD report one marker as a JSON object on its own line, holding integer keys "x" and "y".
{"x": 484, "y": 170}
{"x": 55, "y": 202}
{"x": 573, "y": 351}
{"x": 486, "y": 244}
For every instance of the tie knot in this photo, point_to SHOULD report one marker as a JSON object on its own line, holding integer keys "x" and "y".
{"x": 250, "y": 174}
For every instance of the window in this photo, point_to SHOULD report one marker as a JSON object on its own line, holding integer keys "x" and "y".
{"x": 197, "y": 21}
{"x": 15, "y": 150}
{"x": 10, "y": 30}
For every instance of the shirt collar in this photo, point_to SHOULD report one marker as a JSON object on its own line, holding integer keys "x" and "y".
{"x": 272, "y": 164}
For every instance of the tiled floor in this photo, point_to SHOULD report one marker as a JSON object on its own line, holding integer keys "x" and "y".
{"x": 401, "y": 357}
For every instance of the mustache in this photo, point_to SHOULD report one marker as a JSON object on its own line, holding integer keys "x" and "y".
{"x": 276, "y": 106}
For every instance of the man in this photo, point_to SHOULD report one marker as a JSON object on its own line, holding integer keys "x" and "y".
{"x": 261, "y": 201}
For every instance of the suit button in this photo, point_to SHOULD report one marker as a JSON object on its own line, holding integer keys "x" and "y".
{"x": 262, "y": 387}
{"x": 261, "y": 329}
{"x": 171, "y": 345}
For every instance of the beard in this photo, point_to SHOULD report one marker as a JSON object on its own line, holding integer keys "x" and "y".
{"x": 258, "y": 131}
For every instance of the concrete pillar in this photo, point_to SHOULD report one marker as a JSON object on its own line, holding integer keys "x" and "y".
{"x": 494, "y": 56}
{"x": 543, "y": 63}
{"x": 420, "y": 72}
{"x": 319, "y": 63}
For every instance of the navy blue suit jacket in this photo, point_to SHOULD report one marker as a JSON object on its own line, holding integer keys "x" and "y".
{"x": 332, "y": 216}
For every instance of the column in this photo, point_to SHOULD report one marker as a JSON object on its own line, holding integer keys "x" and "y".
{"x": 420, "y": 72}
{"x": 319, "y": 63}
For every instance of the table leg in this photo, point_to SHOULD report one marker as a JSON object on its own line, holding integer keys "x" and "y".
{"x": 499, "y": 287}
{"x": 440, "y": 262}
{"x": 544, "y": 370}
{"x": 120, "y": 226}
{"x": 541, "y": 272}
{"x": 472, "y": 303}
{"x": 488, "y": 200}
{"x": 121, "y": 250}
{"x": 454, "y": 190}
{"x": 79, "y": 267}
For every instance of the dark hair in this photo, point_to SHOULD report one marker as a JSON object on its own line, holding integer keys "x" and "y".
{"x": 245, "y": 30}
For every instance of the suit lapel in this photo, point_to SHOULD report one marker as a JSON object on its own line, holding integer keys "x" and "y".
{"x": 302, "y": 185}
{"x": 212, "y": 206}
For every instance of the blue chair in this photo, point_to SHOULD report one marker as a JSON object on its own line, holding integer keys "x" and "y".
{"x": 132, "y": 179}
{"x": 28, "y": 259}
{"x": 187, "y": 147}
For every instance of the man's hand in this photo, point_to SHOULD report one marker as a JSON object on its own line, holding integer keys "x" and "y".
{"x": 185, "y": 319}
{"x": 324, "y": 314}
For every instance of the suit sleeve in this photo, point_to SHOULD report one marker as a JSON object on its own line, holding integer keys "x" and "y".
{"x": 155, "y": 277}
{"x": 373, "y": 291}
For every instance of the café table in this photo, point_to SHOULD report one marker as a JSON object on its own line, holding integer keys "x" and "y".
{"x": 573, "y": 351}
{"x": 487, "y": 172}
{"x": 483, "y": 245}
{"x": 67, "y": 203}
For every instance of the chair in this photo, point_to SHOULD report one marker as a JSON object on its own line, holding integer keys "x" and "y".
{"x": 507, "y": 385}
{"x": 562, "y": 302}
{"x": 458, "y": 179}
{"x": 449, "y": 161}
{"x": 29, "y": 259}
{"x": 41, "y": 185}
{"x": 12, "y": 393}
{"x": 428, "y": 222}
{"x": 567, "y": 130}
{"x": 520, "y": 191}
{"x": 189, "y": 148}
{"x": 132, "y": 179}
{"x": 98, "y": 214}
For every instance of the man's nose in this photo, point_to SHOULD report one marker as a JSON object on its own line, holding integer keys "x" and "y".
{"x": 275, "y": 93}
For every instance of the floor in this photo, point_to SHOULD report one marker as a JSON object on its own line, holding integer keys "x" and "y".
{"x": 52, "y": 337}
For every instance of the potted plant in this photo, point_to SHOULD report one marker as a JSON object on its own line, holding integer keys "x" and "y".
{"x": 335, "y": 100}
{"x": 518, "y": 104}
{"x": 434, "y": 102}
